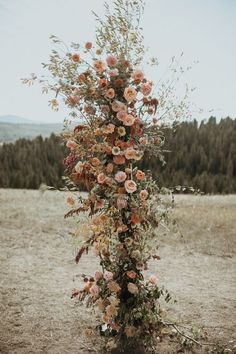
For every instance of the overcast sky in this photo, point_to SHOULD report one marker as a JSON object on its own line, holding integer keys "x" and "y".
{"x": 205, "y": 30}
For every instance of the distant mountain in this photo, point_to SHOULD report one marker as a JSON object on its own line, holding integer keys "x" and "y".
{"x": 15, "y": 120}
{"x": 10, "y": 132}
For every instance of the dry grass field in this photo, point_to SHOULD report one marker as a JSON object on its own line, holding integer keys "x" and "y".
{"x": 198, "y": 265}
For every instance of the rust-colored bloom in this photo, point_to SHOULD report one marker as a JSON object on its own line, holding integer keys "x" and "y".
{"x": 75, "y": 57}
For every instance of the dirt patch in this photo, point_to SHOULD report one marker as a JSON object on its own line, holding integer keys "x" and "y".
{"x": 38, "y": 272}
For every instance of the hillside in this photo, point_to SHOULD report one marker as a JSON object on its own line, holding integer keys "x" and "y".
{"x": 10, "y": 132}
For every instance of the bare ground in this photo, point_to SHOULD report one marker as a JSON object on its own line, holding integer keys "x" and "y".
{"x": 38, "y": 272}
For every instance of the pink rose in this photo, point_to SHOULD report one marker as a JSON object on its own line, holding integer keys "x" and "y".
{"x": 120, "y": 176}
{"x": 146, "y": 89}
{"x": 114, "y": 73}
{"x": 98, "y": 276}
{"x": 143, "y": 194}
{"x": 108, "y": 275}
{"x": 130, "y": 186}
{"x": 153, "y": 279}
{"x": 121, "y": 203}
{"x": 111, "y": 60}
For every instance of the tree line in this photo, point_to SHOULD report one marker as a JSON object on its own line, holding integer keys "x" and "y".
{"x": 202, "y": 156}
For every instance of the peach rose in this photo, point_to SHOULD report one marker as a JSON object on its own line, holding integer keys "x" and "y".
{"x": 140, "y": 175}
{"x": 153, "y": 280}
{"x": 75, "y": 57}
{"x": 143, "y": 194}
{"x": 121, "y": 115}
{"x": 128, "y": 120}
{"x": 130, "y": 153}
{"x": 121, "y": 203}
{"x": 143, "y": 141}
{"x": 138, "y": 75}
{"x": 120, "y": 176}
{"x": 99, "y": 66}
{"x": 130, "y": 186}
{"x": 110, "y": 93}
{"x": 101, "y": 178}
{"x": 146, "y": 89}
{"x": 119, "y": 159}
{"x": 111, "y": 60}
{"x": 110, "y": 128}
{"x": 71, "y": 144}
{"x": 116, "y": 106}
{"x": 130, "y": 94}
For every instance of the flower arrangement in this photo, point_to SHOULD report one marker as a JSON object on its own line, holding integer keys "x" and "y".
{"x": 104, "y": 87}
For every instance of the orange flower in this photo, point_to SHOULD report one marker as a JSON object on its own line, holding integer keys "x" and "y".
{"x": 95, "y": 161}
{"x": 135, "y": 219}
{"x": 99, "y": 66}
{"x": 71, "y": 144}
{"x": 88, "y": 45}
{"x": 70, "y": 201}
{"x": 131, "y": 274}
{"x": 75, "y": 57}
{"x": 140, "y": 175}
{"x": 130, "y": 94}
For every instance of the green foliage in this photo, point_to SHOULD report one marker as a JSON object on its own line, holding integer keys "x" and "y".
{"x": 204, "y": 157}
{"x": 28, "y": 163}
